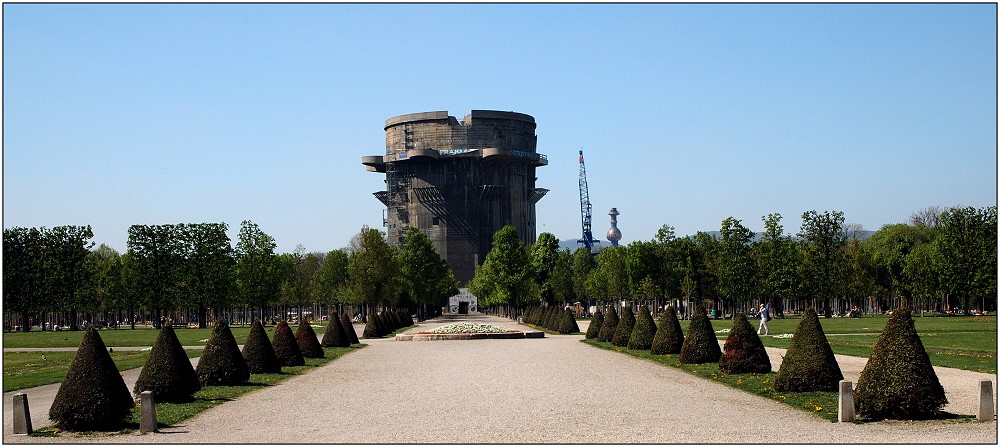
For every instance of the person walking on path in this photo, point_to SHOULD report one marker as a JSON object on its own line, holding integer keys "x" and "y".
{"x": 765, "y": 314}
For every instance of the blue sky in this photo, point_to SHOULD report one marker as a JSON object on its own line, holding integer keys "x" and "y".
{"x": 687, "y": 114}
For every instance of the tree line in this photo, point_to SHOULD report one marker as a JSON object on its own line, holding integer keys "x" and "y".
{"x": 941, "y": 260}
{"x": 192, "y": 273}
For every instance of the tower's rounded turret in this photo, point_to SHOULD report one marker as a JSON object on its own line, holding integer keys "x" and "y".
{"x": 614, "y": 234}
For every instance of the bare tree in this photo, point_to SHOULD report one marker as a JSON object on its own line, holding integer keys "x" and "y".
{"x": 927, "y": 217}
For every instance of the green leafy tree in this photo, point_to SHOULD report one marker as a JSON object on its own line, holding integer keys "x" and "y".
{"x": 582, "y": 264}
{"x": 543, "y": 257}
{"x": 332, "y": 279}
{"x": 968, "y": 251}
{"x": 207, "y": 267}
{"x": 157, "y": 255}
{"x": 824, "y": 263}
{"x": 504, "y": 278}
{"x": 737, "y": 268}
{"x": 24, "y": 288}
{"x": 899, "y": 382}
{"x": 778, "y": 263}
{"x": 374, "y": 270}
{"x": 258, "y": 275}
{"x": 428, "y": 280}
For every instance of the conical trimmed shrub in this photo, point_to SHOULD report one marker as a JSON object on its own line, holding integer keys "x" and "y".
{"x": 668, "y": 338}
{"x": 555, "y": 316}
{"x": 335, "y": 335}
{"x": 308, "y": 343}
{"x": 898, "y": 382}
{"x": 221, "y": 361}
{"x": 594, "y": 329}
{"x": 381, "y": 324}
{"x": 809, "y": 364}
{"x": 700, "y": 344}
{"x": 168, "y": 372}
{"x": 643, "y": 332}
{"x": 93, "y": 396}
{"x": 348, "y": 327}
{"x": 568, "y": 324}
{"x": 285, "y": 346}
{"x": 258, "y": 351}
{"x": 744, "y": 352}
{"x": 609, "y": 326}
{"x": 624, "y": 329}
{"x": 371, "y": 327}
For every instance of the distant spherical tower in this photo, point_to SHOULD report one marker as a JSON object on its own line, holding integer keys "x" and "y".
{"x": 459, "y": 181}
{"x": 614, "y": 235}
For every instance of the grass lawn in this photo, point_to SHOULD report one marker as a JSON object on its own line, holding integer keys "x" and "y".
{"x": 968, "y": 343}
{"x": 169, "y": 414}
{"x": 27, "y": 369}
{"x": 128, "y": 337}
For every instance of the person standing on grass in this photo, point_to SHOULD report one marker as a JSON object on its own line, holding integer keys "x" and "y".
{"x": 765, "y": 314}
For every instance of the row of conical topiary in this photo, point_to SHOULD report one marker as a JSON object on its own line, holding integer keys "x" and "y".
{"x": 93, "y": 396}
{"x": 898, "y": 382}
{"x": 551, "y": 318}
{"x": 380, "y": 324}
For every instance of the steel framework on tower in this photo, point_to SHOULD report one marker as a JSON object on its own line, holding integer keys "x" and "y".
{"x": 588, "y": 240}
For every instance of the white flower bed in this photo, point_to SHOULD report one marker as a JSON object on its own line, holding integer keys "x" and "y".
{"x": 783, "y": 336}
{"x": 468, "y": 328}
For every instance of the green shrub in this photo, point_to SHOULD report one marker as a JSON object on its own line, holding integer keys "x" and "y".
{"x": 258, "y": 351}
{"x": 553, "y": 317}
{"x": 308, "y": 343}
{"x": 93, "y": 396}
{"x": 568, "y": 324}
{"x": 285, "y": 346}
{"x": 668, "y": 338}
{"x": 809, "y": 364}
{"x": 348, "y": 327}
{"x": 624, "y": 329}
{"x": 595, "y": 325}
{"x": 371, "y": 327}
{"x": 743, "y": 351}
{"x": 381, "y": 324}
{"x": 221, "y": 361}
{"x": 609, "y": 326}
{"x": 335, "y": 335}
{"x": 168, "y": 372}
{"x": 898, "y": 382}
{"x": 700, "y": 344}
{"x": 643, "y": 332}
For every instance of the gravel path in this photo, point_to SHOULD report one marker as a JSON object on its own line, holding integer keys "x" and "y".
{"x": 551, "y": 390}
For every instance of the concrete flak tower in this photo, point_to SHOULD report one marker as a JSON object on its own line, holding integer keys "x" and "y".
{"x": 459, "y": 181}
{"x": 614, "y": 234}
